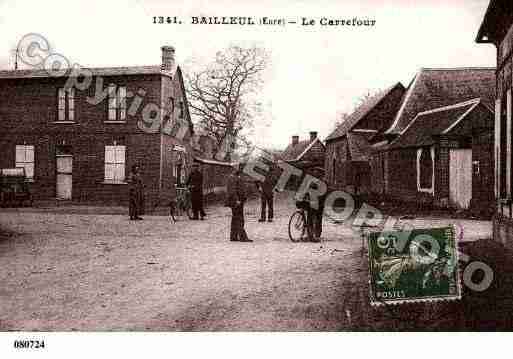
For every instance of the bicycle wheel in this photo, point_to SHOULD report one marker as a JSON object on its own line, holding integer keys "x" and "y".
{"x": 297, "y": 226}
{"x": 188, "y": 211}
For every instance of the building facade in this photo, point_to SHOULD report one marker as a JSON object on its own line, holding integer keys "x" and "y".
{"x": 497, "y": 29}
{"x": 436, "y": 143}
{"x": 348, "y": 148}
{"x": 79, "y": 142}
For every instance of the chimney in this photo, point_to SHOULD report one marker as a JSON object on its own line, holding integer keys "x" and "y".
{"x": 168, "y": 58}
{"x": 295, "y": 140}
{"x": 313, "y": 135}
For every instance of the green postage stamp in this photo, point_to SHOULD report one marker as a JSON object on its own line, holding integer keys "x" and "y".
{"x": 413, "y": 266}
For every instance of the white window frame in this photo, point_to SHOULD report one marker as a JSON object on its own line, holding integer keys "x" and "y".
{"x": 116, "y": 104}
{"x": 25, "y": 158}
{"x": 66, "y": 104}
{"x": 430, "y": 190}
{"x": 115, "y": 164}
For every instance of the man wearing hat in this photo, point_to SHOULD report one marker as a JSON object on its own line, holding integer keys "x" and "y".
{"x": 195, "y": 184}
{"x": 236, "y": 196}
{"x": 135, "y": 194}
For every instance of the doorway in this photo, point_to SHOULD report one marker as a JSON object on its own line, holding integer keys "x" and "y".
{"x": 64, "y": 166}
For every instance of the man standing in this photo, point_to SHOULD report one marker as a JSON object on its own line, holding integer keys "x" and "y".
{"x": 266, "y": 189}
{"x": 195, "y": 183}
{"x": 135, "y": 194}
{"x": 236, "y": 196}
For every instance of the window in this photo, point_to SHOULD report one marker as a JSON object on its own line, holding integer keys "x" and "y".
{"x": 117, "y": 103}
{"x": 425, "y": 169}
{"x": 66, "y": 104}
{"x": 115, "y": 164}
{"x": 180, "y": 115}
{"x": 25, "y": 159}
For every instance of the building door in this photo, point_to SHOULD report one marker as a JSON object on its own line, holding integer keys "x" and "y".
{"x": 460, "y": 177}
{"x": 64, "y": 160}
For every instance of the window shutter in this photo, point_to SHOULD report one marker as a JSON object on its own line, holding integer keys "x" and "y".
{"x": 20, "y": 154}
{"x": 71, "y": 104}
{"x": 122, "y": 103}
{"x": 112, "y": 102}
{"x": 110, "y": 154}
{"x": 29, "y": 153}
{"x": 120, "y": 162}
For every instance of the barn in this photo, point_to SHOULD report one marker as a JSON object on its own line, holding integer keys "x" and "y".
{"x": 348, "y": 147}
{"x": 438, "y": 149}
{"x": 443, "y": 157}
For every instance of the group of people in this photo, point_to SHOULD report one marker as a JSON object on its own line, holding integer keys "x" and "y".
{"x": 235, "y": 200}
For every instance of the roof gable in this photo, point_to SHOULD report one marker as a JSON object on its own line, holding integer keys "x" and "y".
{"x": 297, "y": 151}
{"x": 435, "y": 122}
{"x": 361, "y": 112}
{"x": 435, "y": 88}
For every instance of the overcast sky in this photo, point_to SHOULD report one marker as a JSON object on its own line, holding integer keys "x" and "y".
{"x": 315, "y": 73}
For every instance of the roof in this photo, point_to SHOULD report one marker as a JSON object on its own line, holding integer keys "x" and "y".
{"x": 434, "y": 88}
{"x": 297, "y": 151}
{"x": 435, "y": 122}
{"x": 360, "y": 112}
{"x": 496, "y": 10}
{"x": 95, "y": 71}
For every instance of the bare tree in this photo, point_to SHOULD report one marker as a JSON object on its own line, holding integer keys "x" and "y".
{"x": 223, "y": 95}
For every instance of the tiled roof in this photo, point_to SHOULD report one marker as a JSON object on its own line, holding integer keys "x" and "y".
{"x": 95, "y": 71}
{"x": 360, "y": 112}
{"x": 434, "y": 88}
{"x": 427, "y": 124}
{"x": 492, "y": 20}
{"x": 295, "y": 152}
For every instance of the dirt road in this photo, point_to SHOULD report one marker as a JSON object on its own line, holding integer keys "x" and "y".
{"x": 102, "y": 272}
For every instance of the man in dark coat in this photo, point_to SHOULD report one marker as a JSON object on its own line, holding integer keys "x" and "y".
{"x": 195, "y": 184}
{"x": 135, "y": 194}
{"x": 266, "y": 190}
{"x": 236, "y": 196}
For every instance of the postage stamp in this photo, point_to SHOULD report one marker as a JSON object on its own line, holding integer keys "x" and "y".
{"x": 413, "y": 266}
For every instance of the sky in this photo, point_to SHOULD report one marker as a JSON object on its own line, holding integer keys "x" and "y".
{"x": 315, "y": 72}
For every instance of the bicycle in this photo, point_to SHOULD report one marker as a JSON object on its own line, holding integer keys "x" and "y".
{"x": 297, "y": 226}
{"x": 182, "y": 205}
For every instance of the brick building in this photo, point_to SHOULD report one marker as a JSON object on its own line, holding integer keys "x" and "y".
{"x": 437, "y": 149}
{"x": 443, "y": 157}
{"x": 348, "y": 147}
{"x": 76, "y": 145}
{"x": 305, "y": 154}
{"x": 497, "y": 29}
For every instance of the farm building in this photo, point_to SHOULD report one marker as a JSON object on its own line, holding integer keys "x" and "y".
{"x": 305, "y": 154}
{"x": 348, "y": 147}
{"x": 77, "y": 145}
{"x": 437, "y": 149}
{"x": 497, "y": 29}
{"x": 443, "y": 156}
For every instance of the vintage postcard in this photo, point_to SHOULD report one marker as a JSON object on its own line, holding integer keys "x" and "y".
{"x": 225, "y": 166}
